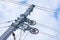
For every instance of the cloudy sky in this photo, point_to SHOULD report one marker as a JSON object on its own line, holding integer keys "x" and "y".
{"x": 46, "y": 14}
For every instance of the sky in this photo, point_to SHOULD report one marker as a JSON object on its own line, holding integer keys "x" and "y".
{"x": 47, "y": 22}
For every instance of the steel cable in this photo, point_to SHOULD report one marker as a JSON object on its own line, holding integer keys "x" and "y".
{"x": 38, "y": 7}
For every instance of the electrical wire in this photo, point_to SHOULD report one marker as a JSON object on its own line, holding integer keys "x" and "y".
{"x": 41, "y": 31}
{"x": 14, "y": 35}
{"x": 4, "y": 27}
{"x": 25, "y": 36}
{"x": 38, "y": 7}
{"x": 20, "y": 35}
{"x": 7, "y": 22}
{"x": 37, "y": 23}
{"x": 45, "y": 9}
{"x": 48, "y": 27}
{"x": 51, "y": 36}
{"x": 15, "y": 2}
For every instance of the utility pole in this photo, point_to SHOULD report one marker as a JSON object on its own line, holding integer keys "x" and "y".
{"x": 19, "y": 23}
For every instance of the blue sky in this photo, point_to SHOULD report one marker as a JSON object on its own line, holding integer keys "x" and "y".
{"x": 44, "y": 19}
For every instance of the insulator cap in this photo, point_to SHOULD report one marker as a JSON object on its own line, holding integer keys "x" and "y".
{"x": 34, "y": 31}
{"x": 33, "y": 5}
{"x": 32, "y": 22}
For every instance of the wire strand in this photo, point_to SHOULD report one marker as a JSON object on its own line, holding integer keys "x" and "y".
{"x": 7, "y": 22}
{"x": 25, "y": 36}
{"x": 14, "y": 35}
{"x": 48, "y": 27}
{"x": 39, "y": 24}
{"x": 51, "y": 36}
{"x": 4, "y": 27}
{"x": 41, "y": 31}
{"x": 38, "y": 7}
{"x": 20, "y": 35}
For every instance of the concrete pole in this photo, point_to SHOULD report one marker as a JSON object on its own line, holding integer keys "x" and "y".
{"x": 14, "y": 26}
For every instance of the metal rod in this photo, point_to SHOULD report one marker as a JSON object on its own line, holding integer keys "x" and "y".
{"x": 7, "y": 33}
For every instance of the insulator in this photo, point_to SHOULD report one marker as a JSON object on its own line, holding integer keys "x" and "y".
{"x": 34, "y": 31}
{"x": 23, "y": 26}
{"x": 15, "y": 20}
{"x": 32, "y": 22}
{"x": 18, "y": 18}
{"x": 22, "y": 15}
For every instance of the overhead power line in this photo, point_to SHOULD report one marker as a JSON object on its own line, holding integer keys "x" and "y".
{"x": 38, "y": 7}
{"x": 14, "y": 35}
{"x": 37, "y": 23}
{"x": 20, "y": 35}
{"x": 42, "y": 25}
{"x": 7, "y": 22}
{"x": 48, "y": 11}
{"x": 51, "y": 36}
